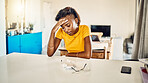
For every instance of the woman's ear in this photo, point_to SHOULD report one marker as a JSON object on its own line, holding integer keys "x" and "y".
{"x": 76, "y": 20}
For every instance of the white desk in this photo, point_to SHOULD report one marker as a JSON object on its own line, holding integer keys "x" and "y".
{"x": 29, "y": 68}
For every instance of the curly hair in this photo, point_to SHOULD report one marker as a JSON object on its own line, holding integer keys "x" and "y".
{"x": 67, "y": 11}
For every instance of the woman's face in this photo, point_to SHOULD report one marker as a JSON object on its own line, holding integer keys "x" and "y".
{"x": 71, "y": 26}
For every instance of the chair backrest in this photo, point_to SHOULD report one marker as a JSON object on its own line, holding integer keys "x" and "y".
{"x": 110, "y": 48}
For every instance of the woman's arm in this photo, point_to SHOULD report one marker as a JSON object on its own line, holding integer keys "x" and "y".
{"x": 53, "y": 41}
{"x": 87, "y": 50}
{"x": 53, "y": 44}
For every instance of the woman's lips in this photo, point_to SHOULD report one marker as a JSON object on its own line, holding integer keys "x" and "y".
{"x": 69, "y": 33}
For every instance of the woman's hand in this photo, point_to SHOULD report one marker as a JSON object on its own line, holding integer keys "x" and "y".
{"x": 72, "y": 54}
{"x": 59, "y": 23}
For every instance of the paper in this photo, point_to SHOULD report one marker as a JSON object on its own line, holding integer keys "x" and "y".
{"x": 75, "y": 64}
{"x": 144, "y": 60}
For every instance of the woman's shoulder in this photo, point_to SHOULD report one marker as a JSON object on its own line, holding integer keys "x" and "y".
{"x": 83, "y": 27}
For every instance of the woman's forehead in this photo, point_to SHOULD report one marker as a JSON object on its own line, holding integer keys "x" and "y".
{"x": 70, "y": 18}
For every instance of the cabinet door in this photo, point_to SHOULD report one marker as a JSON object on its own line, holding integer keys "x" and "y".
{"x": 13, "y": 43}
{"x": 31, "y": 43}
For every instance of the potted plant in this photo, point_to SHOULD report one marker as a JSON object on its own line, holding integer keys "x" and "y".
{"x": 31, "y": 27}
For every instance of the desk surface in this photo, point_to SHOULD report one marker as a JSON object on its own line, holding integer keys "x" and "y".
{"x": 30, "y": 68}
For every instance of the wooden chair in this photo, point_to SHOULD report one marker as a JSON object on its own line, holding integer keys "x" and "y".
{"x": 110, "y": 48}
{"x": 105, "y": 53}
{"x": 100, "y": 53}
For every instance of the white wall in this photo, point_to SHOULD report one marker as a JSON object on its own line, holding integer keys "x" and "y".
{"x": 2, "y": 28}
{"x": 33, "y": 14}
{"x": 45, "y": 22}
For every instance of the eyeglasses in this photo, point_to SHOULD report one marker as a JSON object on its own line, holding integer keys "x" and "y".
{"x": 80, "y": 69}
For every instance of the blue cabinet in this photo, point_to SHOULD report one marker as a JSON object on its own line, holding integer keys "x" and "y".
{"x": 27, "y": 43}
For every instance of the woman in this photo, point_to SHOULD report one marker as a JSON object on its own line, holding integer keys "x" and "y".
{"x": 76, "y": 36}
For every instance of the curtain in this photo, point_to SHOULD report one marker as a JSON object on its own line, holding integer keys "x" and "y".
{"x": 140, "y": 47}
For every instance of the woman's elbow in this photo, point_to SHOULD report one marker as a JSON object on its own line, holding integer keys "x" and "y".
{"x": 88, "y": 55}
{"x": 49, "y": 54}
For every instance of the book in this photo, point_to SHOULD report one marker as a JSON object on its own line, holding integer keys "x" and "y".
{"x": 145, "y": 61}
{"x": 146, "y": 67}
{"x": 144, "y": 74}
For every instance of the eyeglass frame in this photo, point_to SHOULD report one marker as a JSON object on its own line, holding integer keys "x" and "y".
{"x": 80, "y": 69}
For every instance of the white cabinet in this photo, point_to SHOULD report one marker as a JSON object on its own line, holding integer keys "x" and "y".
{"x": 117, "y": 48}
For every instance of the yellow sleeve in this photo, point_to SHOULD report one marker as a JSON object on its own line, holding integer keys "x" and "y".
{"x": 86, "y": 31}
{"x": 59, "y": 34}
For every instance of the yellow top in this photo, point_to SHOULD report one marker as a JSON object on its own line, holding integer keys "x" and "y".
{"x": 74, "y": 43}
